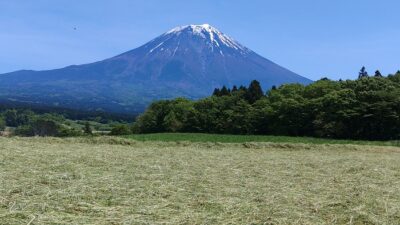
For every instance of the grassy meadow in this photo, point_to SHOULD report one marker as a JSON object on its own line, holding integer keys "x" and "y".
{"x": 106, "y": 180}
{"x": 226, "y": 138}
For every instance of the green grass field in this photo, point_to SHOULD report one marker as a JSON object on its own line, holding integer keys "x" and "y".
{"x": 122, "y": 181}
{"x": 223, "y": 138}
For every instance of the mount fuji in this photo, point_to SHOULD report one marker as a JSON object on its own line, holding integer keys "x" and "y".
{"x": 188, "y": 61}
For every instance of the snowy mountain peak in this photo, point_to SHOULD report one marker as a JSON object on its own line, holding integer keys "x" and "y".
{"x": 193, "y": 28}
{"x": 188, "y": 61}
{"x": 215, "y": 37}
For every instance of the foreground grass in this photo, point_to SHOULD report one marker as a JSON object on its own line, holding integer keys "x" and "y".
{"x": 192, "y": 137}
{"x": 120, "y": 181}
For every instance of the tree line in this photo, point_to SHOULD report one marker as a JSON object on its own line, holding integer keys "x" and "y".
{"x": 25, "y": 122}
{"x": 367, "y": 108}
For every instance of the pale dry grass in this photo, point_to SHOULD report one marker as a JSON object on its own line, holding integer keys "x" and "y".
{"x": 118, "y": 181}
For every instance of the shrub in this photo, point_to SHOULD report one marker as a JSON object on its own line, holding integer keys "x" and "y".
{"x": 121, "y": 130}
{"x": 67, "y": 132}
{"x": 2, "y": 124}
{"x": 87, "y": 129}
{"x": 44, "y": 127}
{"x": 40, "y": 127}
{"x": 24, "y": 130}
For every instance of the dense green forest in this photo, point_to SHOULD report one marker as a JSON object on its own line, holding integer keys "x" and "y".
{"x": 366, "y": 108}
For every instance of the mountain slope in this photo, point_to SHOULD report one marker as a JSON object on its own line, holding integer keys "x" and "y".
{"x": 186, "y": 61}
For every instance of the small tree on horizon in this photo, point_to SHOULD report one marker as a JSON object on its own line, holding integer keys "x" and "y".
{"x": 243, "y": 88}
{"x": 224, "y": 91}
{"x": 216, "y": 92}
{"x": 363, "y": 73}
{"x": 234, "y": 88}
{"x": 87, "y": 129}
{"x": 378, "y": 74}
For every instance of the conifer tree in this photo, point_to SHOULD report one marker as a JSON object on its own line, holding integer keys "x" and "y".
{"x": 363, "y": 73}
{"x": 216, "y": 92}
{"x": 243, "y": 88}
{"x": 224, "y": 91}
{"x": 378, "y": 73}
{"x": 234, "y": 89}
{"x": 254, "y": 92}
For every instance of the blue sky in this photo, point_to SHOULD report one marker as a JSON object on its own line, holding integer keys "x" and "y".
{"x": 314, "y": 38}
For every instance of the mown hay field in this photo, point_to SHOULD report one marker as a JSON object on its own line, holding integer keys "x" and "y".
{"x": 120, "y": 181}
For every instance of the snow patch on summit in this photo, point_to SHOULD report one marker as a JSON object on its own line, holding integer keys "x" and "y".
{"x": 214, "y": 36}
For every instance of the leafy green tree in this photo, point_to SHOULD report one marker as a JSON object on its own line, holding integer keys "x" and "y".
{"x": 45, "y": 127}
{"x": 334, "y": 114}
{"x": 171, "y": 122}
{"x": 165, "y": 116}
{"x": 39, "y": 127}
{"x": 319, "y": 89}
{"x": 151, "y": 120}
{"x": 208, "y": 114}
{"x": 14, "y": 118}
{"x": 239, "y": 118}
{"x": 11, "y": 118}
{"x": 260, "y": 117}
